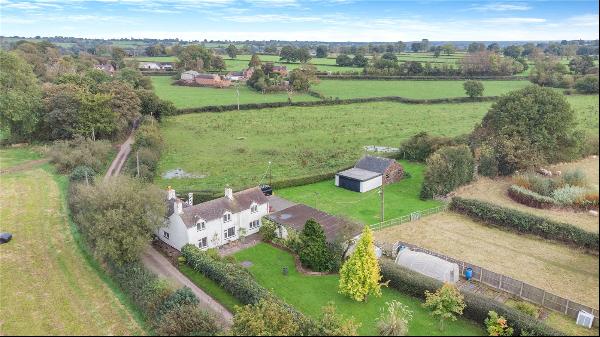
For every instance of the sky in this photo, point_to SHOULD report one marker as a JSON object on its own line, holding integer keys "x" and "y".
{"x": 306, "y": 20}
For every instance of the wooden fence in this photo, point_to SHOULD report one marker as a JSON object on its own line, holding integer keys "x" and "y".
{"x": 408, "y": 218}
{"x": 509, "y": 285}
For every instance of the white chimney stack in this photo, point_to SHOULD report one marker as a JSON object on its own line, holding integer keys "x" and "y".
{"x": 229, "y": 193}
{"x": 178, "y": 206}
{"x": 170, "y": 193}
{"x": 191, "y": 199}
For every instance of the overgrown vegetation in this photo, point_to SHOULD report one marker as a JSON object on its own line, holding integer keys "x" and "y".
{"x": 66, "y": 155}
{"x": 447, "y": 169}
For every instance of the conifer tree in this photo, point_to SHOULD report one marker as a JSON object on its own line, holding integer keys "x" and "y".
{"x": 360, "y": 275}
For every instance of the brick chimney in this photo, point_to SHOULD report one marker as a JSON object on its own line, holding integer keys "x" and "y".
{"x": 229, "y": 193}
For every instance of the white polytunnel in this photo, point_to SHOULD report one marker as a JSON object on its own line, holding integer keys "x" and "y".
{"x": 428, "y": 265}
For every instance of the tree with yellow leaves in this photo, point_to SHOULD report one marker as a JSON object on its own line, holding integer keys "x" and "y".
{"x": 360, "y": 275}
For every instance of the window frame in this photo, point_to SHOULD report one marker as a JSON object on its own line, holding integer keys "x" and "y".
{"x": 198, "y": 223}
{"x": 226, "y": 233}
{"x": 203, "y": 243}
{"x": 226, "y": 217}
{"x": 166, "y": 235}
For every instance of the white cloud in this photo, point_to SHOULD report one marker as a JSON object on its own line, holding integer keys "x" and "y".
{"x": 513, "y": 20}
{"x": 500, "y": 7}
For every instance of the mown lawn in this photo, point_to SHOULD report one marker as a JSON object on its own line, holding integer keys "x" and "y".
{"x": 235, "y": 147}
{"x": 10, "y": 157}
{"x": 410, "y": 89}
{"x": 190, "y": 97}
{"x": 401, "y": 198}
{"x": 310, "y": 293}
{"x": 210, "y": 287}
{"x": 47, "y": 285}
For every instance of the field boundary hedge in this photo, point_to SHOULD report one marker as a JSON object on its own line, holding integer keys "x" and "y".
{"x": 477, "y": 306}
{"x": 526, "y": 223}
{"x": 398, "y": 99}
{"x": 422, "y": 78}
{"x": 530, "y": 198}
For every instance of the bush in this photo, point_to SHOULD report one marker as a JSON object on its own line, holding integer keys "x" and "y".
{"x": 497, "y": 325}
{"x": 394, "y": 321}
{"x": 268, "y": 230}
{"x": 527, "y": 308}
{"x": 420, "y": 146}
{"x": 488, "y": 164}
{"x": 587, "y": 84}
{"x": 530, "y": 198}
{"x": 568, "y": 194}
{"x": 473, "y": 88}
{"x": 69, "y": 154}
{"x": 575, "y": 178}
{"x": 82, "y": 174}
{"x": 447, "y": 169}
{"x": 187, "y": 320}
{"x": 180, "y": 297}
{"x": 525, "y": 223}
{"x": 590, "y": 145}
{"x": 232, "y": 278}
{"x": 477, "y": 305}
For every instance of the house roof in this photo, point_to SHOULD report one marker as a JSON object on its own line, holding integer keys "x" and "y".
{"x": 374, "y": 164}
{"x": 296, "y": 216}
{"x": 215, "y": 209}
{"x": 207, "y": 76}
{"x": 359, "y": 174}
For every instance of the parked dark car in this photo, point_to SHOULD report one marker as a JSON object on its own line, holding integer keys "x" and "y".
{"x": 266, "y": 189}
{"x": 5, "y": 237}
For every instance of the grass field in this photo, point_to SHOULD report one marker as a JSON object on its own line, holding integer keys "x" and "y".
{"x": 10, "y": 157}
{"x": 310, "y": 293}
{"x": 495, "y": 191}
{"x": 401, "y": 198}
{"x": 551, "y": 266}
{"x": 235, "y": 147}
{"x": 47, "y": 285}
{"x": 411, "y": 89}
{"x": 190, "y": 97}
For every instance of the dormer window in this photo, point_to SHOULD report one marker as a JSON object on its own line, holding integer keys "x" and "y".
{"x": 254, "y": 208}
{"x": 200, "y": 225}
{"x": 226, "y": 217}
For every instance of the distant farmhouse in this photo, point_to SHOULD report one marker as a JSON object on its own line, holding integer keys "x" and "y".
{"x": 281, "y": 70}
{"x": 243, "y": 75}
{"x": 213, "y": 223}
{"x": 369, "y": 173}
{"x": 194, "y": 78}
{"x": 107, "y": 68}
{"x": 166, "y": 66}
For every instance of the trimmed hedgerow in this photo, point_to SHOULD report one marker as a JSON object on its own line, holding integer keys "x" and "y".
{"x": 235, "y": 280}
{"x": 530, "y": 198}
{"x": 525, "y": 223}
{"x": 419, "y": 78}
{"x": 477, "y": 306}
{"x": 257, "y": 106}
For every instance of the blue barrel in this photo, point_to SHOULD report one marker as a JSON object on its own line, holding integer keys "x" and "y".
{"x": 469, "y": 273}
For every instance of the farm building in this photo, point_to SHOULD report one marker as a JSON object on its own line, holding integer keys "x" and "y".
{"x": 211, "y": 80}
{"x": 428, "y": 265}
{"x": 369, "y": 173}
{"x": 189, "y": 75}
{"x": 213, "y": 223}
{"x": 155, "y": 65}
{"x": 240, "y": 75}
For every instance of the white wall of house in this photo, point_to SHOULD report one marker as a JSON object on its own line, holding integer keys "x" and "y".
{"x": 177, "y": 232}
{"x": 370, "y": 184}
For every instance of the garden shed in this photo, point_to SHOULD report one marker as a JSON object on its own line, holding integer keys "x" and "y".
{"x": 369, "y": 173}
{"x": 428, "y": 265}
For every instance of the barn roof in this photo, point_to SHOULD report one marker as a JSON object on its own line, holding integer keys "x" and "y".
{"x": 359, "y": 174}
{"x": 374, "y": 164}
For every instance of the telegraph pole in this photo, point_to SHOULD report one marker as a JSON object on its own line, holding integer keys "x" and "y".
{"x": 381, "y": 193}
{"x": 270, "y": 175}
{"x": 237, "y": 92}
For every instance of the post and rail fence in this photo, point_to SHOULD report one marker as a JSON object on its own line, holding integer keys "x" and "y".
{"x": 414, "y": 216}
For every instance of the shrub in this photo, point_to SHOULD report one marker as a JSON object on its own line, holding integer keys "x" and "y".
{"x": 525, "y": 223}
{"x": 333, "y": 324}
{"x": 446, "y": 303}
{"x": 447, "y": 169}
{"x": 394, "y": 320}
{"x": 268, "y": 230}
{"x": 527, "y": 308}
{"x": 313, "y": 250}
{"x": 477, "y": 306}
{"x": 68, "y": 154}
{"x": 473, "y": 88}
{"x": 587, "y": 84}
{"x": 82, "y": 174}
{"x": 530, "y": 198}
{"x": 187, "y": 320}
{"x": 232, "y": 278}
{"x": 590, "y": 145}
{"x": 497, "y": 325}
{"x": 420, "y": 146}
{"x": 180, "y": 297}
{"x": 568, "y": 194}
{"x": 575, "y": 178}
{"x": 488, "y": 164}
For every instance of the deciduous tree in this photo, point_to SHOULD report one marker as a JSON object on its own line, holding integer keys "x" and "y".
{"x": 445, "y": 304}
{"x": 473, "y": 88}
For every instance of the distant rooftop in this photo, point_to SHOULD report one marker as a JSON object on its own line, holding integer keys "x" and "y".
{"x": 359, "y": 174}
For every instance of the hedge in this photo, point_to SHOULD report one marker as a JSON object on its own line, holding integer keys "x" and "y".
{"x": 530, "y": 198}
{"x": 422, "y": 78}
{"x": 525, "y": 223}
{"x": 398, "y": 99}
{"x": 235, "y": 280}
{"x": 477, "y": 306}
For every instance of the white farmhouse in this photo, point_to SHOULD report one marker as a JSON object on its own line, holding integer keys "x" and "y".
{"x": 213, "y": 223}
{"x": 149, "y": 66}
